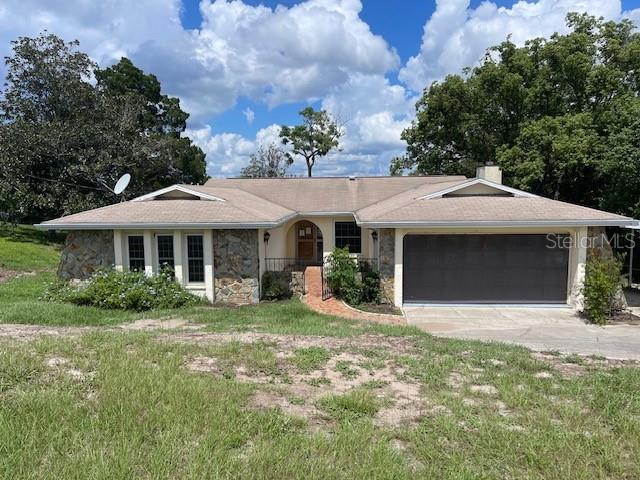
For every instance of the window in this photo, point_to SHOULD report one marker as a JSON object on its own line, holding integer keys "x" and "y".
{"x": 165, "y": 251}
{"x": 195, "y": 258}
{"x": 348, "y": 234}
{"x": 136, "y": 253}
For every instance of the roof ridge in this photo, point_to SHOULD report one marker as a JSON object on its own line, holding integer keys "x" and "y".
{"x": 404, "y": 192}
{"x": 271, "y": 202}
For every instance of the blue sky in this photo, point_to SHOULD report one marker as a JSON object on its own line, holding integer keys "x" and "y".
{"x": 244, "y": 67}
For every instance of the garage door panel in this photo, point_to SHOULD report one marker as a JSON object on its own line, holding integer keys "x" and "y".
{"x": 484, "y": 269}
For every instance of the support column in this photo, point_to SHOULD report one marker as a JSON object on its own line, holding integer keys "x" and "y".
{"x": 148, "y": 253}
{"x": 262, "y": 252}
{"x": 207, "y": 243}
{"x": 578, "y": 268}
{"x": 178, "y": 257}
{"x": 117, "y": 250}
{"x": 397, "y": 280}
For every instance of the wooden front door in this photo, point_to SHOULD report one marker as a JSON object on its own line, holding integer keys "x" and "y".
{"x": 306, "y": 235}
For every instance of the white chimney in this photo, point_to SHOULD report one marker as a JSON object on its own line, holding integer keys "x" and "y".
{"x": 490, "y": 172}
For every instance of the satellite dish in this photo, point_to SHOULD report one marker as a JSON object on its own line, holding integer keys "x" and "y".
{"x": 122, "y": 184}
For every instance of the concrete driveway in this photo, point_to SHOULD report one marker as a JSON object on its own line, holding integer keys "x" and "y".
{"x": 536, "y": 328}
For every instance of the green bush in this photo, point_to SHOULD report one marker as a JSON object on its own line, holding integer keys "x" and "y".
{"x": 341, "y": 272}
{"x": 354, "y": 282}
{"x": 275, "y": 285}
{"x": 601, "y": 285}
{"x": 111, "y": 289}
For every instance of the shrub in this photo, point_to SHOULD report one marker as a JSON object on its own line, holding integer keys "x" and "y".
{"x": 601, "y": 285}
{"x": 354, "y": 282}
{"x": 341, "y": 272}
{"x": 275, "y": 285}
{"x": 111, "y": 289}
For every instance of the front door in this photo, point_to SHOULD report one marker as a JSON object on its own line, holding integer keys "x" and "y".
{"x": 306, "y": 244}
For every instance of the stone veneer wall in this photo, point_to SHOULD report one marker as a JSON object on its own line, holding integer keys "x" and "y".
{"x": 236, "y": 266}
{"x": 598, "y": 244}
{"x": 84, "y": 252}
{"x": 387, "y": 262}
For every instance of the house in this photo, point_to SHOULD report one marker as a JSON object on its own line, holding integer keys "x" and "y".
{"x": 435, "y": 239}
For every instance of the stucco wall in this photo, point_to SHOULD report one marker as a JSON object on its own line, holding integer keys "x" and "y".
{"x": 236, "y": 266}
{"x": 84, "y": 252}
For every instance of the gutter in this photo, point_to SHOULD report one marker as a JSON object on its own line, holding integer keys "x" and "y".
{"x": 505, "y": 223}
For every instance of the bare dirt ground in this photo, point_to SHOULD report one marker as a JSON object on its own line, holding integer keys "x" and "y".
{"x": 7, "y": 274}
{"x": 370, "y": 368}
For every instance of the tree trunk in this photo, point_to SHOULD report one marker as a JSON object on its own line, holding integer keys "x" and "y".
{"x": 309, "y": 167}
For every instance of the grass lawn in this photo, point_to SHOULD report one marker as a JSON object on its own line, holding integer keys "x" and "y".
{"x": 278, "y": 391}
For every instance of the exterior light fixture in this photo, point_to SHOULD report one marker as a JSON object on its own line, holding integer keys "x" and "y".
{"x": 266, "y": 237}
{"x": 374, "y": 235}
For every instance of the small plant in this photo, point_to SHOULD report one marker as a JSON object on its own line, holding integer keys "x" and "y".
{"x": 601, "y": 285}
{"x": 275, "y": 285}
{"x": 346, "y": 369}
{"x": 310, "y": 358}
{"x": 111, "y": 289}
{"x": 353, "y": 405}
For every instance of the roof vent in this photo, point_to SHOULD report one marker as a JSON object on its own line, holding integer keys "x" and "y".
{"x": 352, "y": 178}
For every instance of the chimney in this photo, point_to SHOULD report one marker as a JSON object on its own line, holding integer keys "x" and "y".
{"x": 490, "y": 172}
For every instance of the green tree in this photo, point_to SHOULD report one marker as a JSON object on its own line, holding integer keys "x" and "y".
{"x": 268, "y": 162}
{"x": 557, "y": 114}
{"x": 315, "y": 138}
{"x": 64, "y": 141}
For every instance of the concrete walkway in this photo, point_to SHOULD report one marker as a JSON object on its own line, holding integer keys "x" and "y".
{"x": 536, "y": 328}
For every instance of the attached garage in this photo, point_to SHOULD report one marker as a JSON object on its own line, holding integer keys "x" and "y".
{"x": 484, "y": 268}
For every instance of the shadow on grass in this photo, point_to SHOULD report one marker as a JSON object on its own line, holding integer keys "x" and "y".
{"x": 28, "y": 234}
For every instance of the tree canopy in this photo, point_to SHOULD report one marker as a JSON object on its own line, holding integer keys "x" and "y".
{"x": 560, "y": 115}
{"x": 65, "y": 139}
{"x": 269, "y": 161}
{"x": 315, "y": 138}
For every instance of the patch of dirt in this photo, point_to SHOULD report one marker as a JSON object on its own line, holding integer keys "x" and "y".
{"x": 159, "y": 324}
{"x": 7, "y": 274}
{"x": 399, "y": 345}
{"x": 572, "y": 370}
{"x": 400, "y": 396}
{"x": 484, "y": 389}
{"x": 63, "y": 364}
{"x": 624, "y": 318}
{"x": 32, "y": 332}
{"x": 379, "y": 308}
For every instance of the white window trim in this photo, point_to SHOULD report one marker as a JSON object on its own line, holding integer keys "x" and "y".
{"x": 125, "y": 260}
{"x": 335, "y": 235}
{"x": 157, "y": 248}
{"x": 185, "y": 256}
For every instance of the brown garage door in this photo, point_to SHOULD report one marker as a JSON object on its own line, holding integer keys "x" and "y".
{"x": 484, "y": 269}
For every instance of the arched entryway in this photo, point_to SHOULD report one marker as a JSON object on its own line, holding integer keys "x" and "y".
{"x": 308, "y": 242}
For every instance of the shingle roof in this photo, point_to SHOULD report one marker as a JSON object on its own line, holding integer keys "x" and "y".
{"x": 488, "y": 209}
{"x": 374, "y": 201}
{"x": 326, "y": 194}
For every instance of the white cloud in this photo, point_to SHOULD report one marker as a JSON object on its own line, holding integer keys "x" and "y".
{"x": 457, "y": 36}
{"x": 374, "y": 111}
{"x": 272, "y": 55}
{"x": 249, "y": 114}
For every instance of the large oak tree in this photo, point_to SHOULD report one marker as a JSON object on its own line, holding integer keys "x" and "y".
{"x": 558, "y": 114}
{"x": 68, "y": 130}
